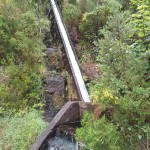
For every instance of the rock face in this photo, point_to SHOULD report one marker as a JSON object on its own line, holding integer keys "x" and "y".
{"x": 54, "y": 85}
{"x": 54, "y": 95}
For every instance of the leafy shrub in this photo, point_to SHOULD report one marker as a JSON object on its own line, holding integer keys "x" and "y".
{"x": 100, "y": 134}
{"x": 71, "y": 15}
{"x": 22, "y": 88}
{"x": 74, "y": 2}
{"x": 21, "y": 54}
{"x": 20, "y": 131}
{"x": 91, "y": 22}
{"x": 140, "y": 18}
{"x": 124, "y": 89}
{"x": 20, "y": 36}
{"x": 94, "y": 20}
{"x": 87, "y": 5}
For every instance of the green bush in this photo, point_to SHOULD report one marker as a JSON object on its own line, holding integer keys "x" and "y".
{"x": 21, "y": 54}
{"x": 74, "y": 2}
{"x": 91, "y": 22}
{"x": 96, "y": 19}
{"x": 100, "y": 134}
{"x": 87, "y": 5}
{"x": 71, "y": 15}
{"x": 123, "y": 91}
{"x": 20, "y": 38}
{"x": 22, "y": 87}
{"x": 19, "y": 132}
{"x": 140, "y": 18}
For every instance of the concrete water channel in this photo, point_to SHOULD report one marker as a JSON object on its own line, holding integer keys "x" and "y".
{"x": 63, "y": 125}
{"x": 59, "y": 135}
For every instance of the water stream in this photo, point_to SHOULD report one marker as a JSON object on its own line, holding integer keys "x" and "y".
{"x": 64, "y": 138}
{"x": 60, "y": 143}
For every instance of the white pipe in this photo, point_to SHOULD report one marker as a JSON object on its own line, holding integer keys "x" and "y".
{"x": 74, "y": 66}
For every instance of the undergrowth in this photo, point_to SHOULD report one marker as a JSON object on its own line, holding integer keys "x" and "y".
{"x": 19, "y": 132}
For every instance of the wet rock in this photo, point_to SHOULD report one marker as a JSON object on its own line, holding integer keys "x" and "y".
{"x": 66, "y": 131}
{"x": 55, "y": 85}
{"x": 54, "y": 95}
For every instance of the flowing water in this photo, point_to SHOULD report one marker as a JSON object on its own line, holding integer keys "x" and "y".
{"x": 59, "y": 143}
{"x": 64, "y": 138}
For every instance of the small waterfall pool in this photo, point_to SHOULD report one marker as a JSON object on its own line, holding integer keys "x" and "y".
{"x": 59, "y": 143}
{"x": 64, "y": 138}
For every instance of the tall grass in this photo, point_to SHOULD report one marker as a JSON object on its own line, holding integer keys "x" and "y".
{"x": 19, "y": 133}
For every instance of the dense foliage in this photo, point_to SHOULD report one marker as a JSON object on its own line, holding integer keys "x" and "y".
{"x": 21, "y": 54}
{"x": 119, "y": 34}
{"x": 21, "y": 63}
{"x": 20, "y": 131}
{"x": 115, "y": 34}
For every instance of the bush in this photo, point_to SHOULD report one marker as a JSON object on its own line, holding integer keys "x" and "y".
{"x": 91, "y": 22}
{"x": 71, "y": 15}
{"x": 21, "y": 55}
{"x": 96, "y": 19}
{"x": 140, "y": 18}
{"x": 124, "y": 90}
{"x": 19, "y": 132}
{"x": 87, "y": 5}
{"x": 100, "y": 134}
{"x": 22, "y": 87}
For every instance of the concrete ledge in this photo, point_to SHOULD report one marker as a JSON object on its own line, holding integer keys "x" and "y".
{"x": 71, "y": 111}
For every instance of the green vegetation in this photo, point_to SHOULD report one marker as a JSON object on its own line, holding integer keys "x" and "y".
{"x": 99, "y": 135}
{"x": 20, "y": 131}
{"x": 21, "y": 55}
{"x": 21, "y": 63}
{"x": 116, "y": 36}
{"x": 113, "y": 35}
